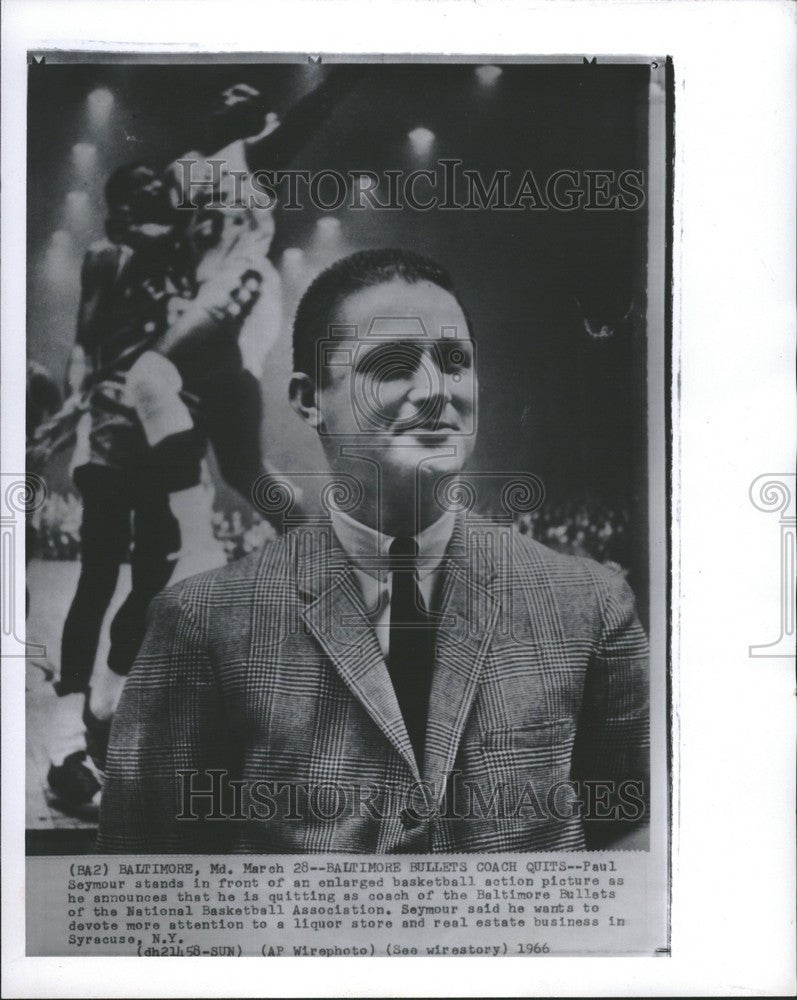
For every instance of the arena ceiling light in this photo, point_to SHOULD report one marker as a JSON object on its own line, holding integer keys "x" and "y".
{"x": 78, "y": 211}
{"x": 100, "y": 104}
{"x": 488, "y": 75}
{"x": 293, "y": 257}
{"x": 293, "y": 266}
{"x": 328, "y": 229}
{"x": 421, "y": 140}
{"x": 61, "y": 263}
{"x": 84, "y": 156}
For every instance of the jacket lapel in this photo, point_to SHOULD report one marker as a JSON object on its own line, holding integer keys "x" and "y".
{"x": 336, "y": 616}
{"x": 468, "y": 616}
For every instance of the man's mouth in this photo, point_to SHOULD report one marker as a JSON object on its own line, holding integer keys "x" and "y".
{"x": 431, "y": 429}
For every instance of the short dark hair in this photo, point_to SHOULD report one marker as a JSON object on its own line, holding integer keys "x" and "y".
{"x": 123, "y": 183}
{"x": 347, "y": 276}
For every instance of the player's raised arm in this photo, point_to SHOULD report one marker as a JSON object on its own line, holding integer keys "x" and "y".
{"x": 274, "y": 149}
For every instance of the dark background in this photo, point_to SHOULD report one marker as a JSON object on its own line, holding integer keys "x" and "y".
{"x": 554, "y": 401}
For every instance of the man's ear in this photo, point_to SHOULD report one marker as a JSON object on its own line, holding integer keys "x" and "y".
{"x": 303, "y": 395}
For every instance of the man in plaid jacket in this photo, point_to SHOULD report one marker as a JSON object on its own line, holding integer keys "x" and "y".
{"x": 400, "y": 675}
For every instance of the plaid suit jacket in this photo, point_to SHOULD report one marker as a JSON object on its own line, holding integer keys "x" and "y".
{"x": 263, "y": 682}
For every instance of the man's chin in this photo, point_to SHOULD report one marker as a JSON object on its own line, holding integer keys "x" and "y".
{"x": 429, "y": 459}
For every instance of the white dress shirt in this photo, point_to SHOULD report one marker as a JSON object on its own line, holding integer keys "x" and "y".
{"x": 369, "y": 551}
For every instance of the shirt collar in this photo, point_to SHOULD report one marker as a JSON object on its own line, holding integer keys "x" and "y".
{"x": 369, "y": 549}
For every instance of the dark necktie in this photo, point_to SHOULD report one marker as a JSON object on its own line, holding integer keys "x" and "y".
{"x": 412, "y": 638}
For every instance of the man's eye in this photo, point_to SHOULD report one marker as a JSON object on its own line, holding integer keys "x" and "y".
{"x": 456, "y": 357}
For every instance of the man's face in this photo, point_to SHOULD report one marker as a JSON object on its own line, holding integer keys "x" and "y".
{"x": 398, "y": 382}
{"x": 147, "y": 198}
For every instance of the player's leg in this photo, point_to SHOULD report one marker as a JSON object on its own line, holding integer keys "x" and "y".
{"x": 156, "y": 541}
{"x": 232, "y": 415}
{"x": 105, "y": 539}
